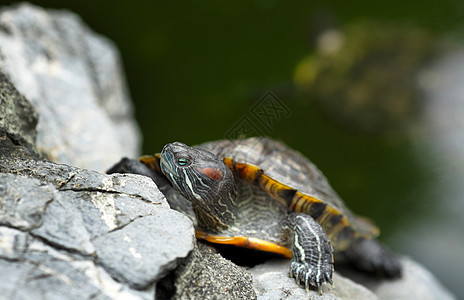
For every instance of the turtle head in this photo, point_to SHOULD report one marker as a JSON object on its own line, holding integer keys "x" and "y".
{"x": 202, "y": 178}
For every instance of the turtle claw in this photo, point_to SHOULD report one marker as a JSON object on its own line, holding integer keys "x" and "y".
{"x": 308, "y": 276}
{"x": 328, "y": 278}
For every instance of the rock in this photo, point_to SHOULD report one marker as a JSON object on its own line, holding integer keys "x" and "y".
{"x": 87, "y": 233}
{"x": 44, "y": 272}
{"x": 73, "y": 233}
{"x": 23, "y": 209}
{"x": 441, "y": 150}
{"x": 18, "y": 119}
{"x": 207, "y": 275}
{"x": 147, "y": 248}
{"x": 73, "y": 78}
{"x": 271, "y": 281}
{"x": 416, "y": 283}
{"x": 63, "y": 225}
{"x": 13, "y": 243}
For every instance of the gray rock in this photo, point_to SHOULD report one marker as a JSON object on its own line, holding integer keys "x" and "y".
{"x": 416, "y": 283}
{"x": 13, "y": 243}
{"x": 73, "y": 78}
{"x": 63, "y": 226}
{"x": 441, "y": 239}
{"x": 23, "y": 209}
{"x": 271, "y": 281}
{"x": 207, "y": 275}
{"x": 18, "y": 119}
{"x": 147, "y": 248}
{"x": 47, "y": 273}
{"x": 64, "y": 178}
{"x": 76, "y": 238}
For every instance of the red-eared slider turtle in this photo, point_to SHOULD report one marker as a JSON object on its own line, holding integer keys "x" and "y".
{"x": 258, "y": 193}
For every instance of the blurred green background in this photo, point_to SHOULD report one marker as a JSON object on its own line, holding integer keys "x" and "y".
{"x": 346, "y": 72}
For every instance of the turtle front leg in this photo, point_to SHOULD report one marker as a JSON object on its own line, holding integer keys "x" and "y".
{"x": 312, "y": 253}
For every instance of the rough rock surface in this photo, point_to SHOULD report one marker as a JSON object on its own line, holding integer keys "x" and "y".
{"x": 18, "y": 119}
{"x": 73, "y": 78}
{"x": 266, "y": 277}
{"x": 416, "y": 283}
{"x": 207, "y": 275}
{"x": 66, "y": 231}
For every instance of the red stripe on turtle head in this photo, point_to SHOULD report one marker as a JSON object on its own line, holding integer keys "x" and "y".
{"x": 212, "y": 173}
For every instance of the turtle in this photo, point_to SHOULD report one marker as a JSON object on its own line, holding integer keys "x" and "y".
{"x": 259, "y": 193}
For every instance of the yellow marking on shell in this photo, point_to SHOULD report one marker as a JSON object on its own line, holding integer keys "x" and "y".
{"x": 332, "y": 230}
{"x": 247, "y": 172}
{"x": 336, "y": 229}
{"x": 299, "y": 203}
{"x": 272, "y": 187}
{"x": 296, "y": 198}
{"x": 245, "y": 242}
{"x": 325, "y": 217}
{"x": 302, "y": 202}
{"x": 229, "y": 162}
{"x": 152, "y": 161}
{"x": 374, "y": 230}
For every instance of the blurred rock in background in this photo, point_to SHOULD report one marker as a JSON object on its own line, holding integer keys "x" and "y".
{"x": 437, "y": 239}
{"x": 74, "y": 79}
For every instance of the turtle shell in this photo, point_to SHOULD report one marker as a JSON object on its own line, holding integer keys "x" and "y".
{"x": 290, "y": 178}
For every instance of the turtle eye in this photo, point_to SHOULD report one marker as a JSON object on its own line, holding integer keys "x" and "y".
{"x": 182, "y": 161}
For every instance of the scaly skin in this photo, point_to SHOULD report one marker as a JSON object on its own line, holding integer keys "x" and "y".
{"x": 312, "y": 261}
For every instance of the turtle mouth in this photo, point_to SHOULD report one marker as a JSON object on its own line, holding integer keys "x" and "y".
{"x": 165, "y": 167}
{"x": 166, "y": 158}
